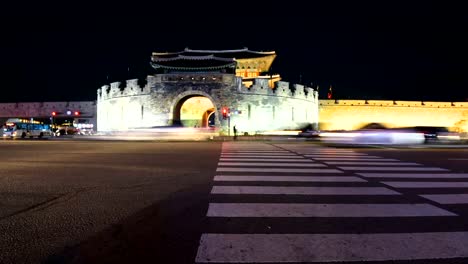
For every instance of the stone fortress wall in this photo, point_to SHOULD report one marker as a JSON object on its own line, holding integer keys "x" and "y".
{"x": 147, "y": 106}
{"x": 258, "y": 107}
{"x": 332, "y": 114}
{"x": 353, "y": 114}
{"x": 87, "y": 109}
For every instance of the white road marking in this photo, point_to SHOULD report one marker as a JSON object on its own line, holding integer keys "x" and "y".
{"x": 255, "y": 164}
{"x": 255, "y": 151}
{"x": 293, "y": 190}
{"x": 323, "y": 210}
{"x": 290, "y": 170}
{"x": 401, "y": 163}
{"x": 448, "y": 198}
{"x": 329, "y": 152}
{"x": 258, "y": 248}
{"x": 289, "y": 178}
{"x": 414, "y": 175}
{"x": 356, "y": 159}
{"x": 261, "y": 156}
{"x": 392, "y": 168}
{"x": 270, "y": 159}
{"x": 427, "y": 184}
{"x": 340, "y": 156}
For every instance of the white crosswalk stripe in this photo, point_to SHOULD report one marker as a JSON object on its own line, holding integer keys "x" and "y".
{"x": 415, "y": 175}
{"x": 373, "y": 163}
{"x": 302, "y": 190}
{"x": 339, "y": 156}
{"x": 360, "y": 158}
{"x": 426, "y": 184}
{"x": 259, "y": 156}
{"x": 289, "y": 178}
{"x": 448, "y": 198}
{"x": 266, "y": 164}
{"x": 285, "y": 170}
{"x": 269, "y": 159}
{"x": 366, "y": 168}
{"x": 323, "y": 210}
{"x": 274, "y": 184}
{"x": 258, "y": 248}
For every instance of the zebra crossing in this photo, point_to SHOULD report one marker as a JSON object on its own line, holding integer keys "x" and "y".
{"x": 273, "y": 203}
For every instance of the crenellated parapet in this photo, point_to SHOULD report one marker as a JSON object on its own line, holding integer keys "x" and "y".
{"x": 260, "y": 86}
{"x": 393, "y": 103}
{"x": 256, "y": 107}
{"x": 132, "y": 88}
{"x": 282, "y": 89}
{"x": 115, "y": 90}
{"x": 299, "y": 91}
{"x": 160, "y": 82}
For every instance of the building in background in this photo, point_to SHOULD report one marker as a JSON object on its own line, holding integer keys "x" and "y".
{"x": 222, "y": 88}
{"x": 77, "y": 114}
{"x": 193, "y": 88}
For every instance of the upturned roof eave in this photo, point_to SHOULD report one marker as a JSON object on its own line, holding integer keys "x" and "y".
{"x": 220, "y": 67}
{"x": 231, "y": 51}
{"x": 185, "y": 57}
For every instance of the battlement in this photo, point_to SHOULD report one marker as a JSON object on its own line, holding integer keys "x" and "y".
{"x": 260, "y": 86}
{"x": 391, "y": 103}
{"x": 131, "y": 88}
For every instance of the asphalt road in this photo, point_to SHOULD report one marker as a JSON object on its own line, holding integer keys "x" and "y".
{"x": 57, "y": 194}
{"x": 75, "y": 201}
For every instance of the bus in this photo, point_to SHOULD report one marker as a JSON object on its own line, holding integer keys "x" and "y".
{"x": 26, "y": 128}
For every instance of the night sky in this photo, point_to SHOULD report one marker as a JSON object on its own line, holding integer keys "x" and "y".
{"x": 413, "y": 50}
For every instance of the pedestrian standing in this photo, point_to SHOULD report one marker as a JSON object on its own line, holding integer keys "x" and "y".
{"x": 235, "y": 132}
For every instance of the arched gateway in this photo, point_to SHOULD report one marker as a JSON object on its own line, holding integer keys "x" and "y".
{"x": 193, "y": 109}
{"x": 192, "y": 87}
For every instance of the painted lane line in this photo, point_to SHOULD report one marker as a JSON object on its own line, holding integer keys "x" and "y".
{"x": 271, "y": 159}
{"x": 372, "y": 163}
{"x": 333, "y": 153}
{"x": 323, "y": 210}
{"x": 260, "y": 248}
{"x": 256, "y": 164}
{"x": 302, "y": 190}
{"x": 282, "y": 170}
{"x": 260, "y": 156}
{"x": 289, "y": 178}
{"x": 448, "y": 198}
{"x": 256, "y": 151}
{"x": 340, "y": 155}
{"x": 414, "y": 175}
{"x": 392, "y": 168}
{"x": 356, "y": 159}
{"x": 427, "y": 184}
